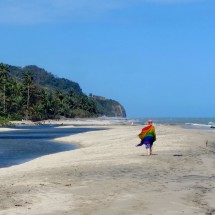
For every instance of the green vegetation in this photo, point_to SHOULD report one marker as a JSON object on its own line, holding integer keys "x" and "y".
{"x": 109, "y": 107}
{"x": 34, "y": 94}
{"x": 5, "y": 122}
{"x": 45, "y": 79}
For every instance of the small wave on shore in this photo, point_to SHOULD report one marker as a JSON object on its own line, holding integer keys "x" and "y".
{"x": 188, "y": 122}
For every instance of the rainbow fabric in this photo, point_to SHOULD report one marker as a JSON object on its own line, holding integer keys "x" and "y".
{"x": 148, "y": 131}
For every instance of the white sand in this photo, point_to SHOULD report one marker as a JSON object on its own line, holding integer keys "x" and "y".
{"x": 109, "y": 175}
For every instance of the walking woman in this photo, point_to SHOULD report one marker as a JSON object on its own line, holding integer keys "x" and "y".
{"x": 148, "y": 136}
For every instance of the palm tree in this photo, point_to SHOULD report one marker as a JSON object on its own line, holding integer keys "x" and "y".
{"x": 47, "y": 100}
{"x": 13, "y": 97}
{"x": 59, "y": 98}
{"x": 28, "y": 81}
{"x": 4, "y": 71}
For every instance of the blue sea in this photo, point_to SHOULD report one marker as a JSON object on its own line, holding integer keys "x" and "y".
{"x": 198, "y": 123}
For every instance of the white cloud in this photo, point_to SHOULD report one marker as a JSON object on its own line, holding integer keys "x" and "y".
{"x": 26, "y": 11}
{"x": 40, "y": 11}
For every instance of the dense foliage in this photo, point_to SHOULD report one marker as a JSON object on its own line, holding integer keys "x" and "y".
{"x": 45, "y": 79}
{"x": 109, "y": 107}
{"x": 21, "y": 98}
{"x": 32, "y": 93}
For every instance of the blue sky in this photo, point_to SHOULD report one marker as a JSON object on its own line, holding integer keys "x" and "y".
{"x": 156, "y": 57}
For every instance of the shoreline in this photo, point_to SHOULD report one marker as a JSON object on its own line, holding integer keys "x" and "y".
{"x": 101, "y": 121}
{"x": 76, "y": 121}
{"x": 109, "y": 175}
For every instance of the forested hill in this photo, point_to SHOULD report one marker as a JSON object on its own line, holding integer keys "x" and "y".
{"x": 46, "y": 79}
{"x": 33, "y": 93}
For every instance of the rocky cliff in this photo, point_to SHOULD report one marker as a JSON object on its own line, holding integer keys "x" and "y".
{"x": 109, "y": 107}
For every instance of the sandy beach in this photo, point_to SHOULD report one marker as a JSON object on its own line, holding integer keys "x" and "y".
{"x": 109, "y": 175}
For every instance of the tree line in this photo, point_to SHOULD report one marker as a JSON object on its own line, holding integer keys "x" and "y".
{"x": 23, "y": 99}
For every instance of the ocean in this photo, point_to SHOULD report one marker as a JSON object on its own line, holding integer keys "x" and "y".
{"x": 198, "y": 123}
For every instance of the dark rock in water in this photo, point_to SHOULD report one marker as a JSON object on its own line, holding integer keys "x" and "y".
{"x": 212, "y": 126}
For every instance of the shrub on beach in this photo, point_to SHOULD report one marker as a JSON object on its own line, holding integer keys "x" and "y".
{"x": 5, "y": 122}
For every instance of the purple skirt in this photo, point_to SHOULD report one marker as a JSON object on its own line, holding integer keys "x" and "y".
{"x": 147, "y": 141}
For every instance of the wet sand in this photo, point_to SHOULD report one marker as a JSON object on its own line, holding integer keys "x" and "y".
{"x": 109, "y": 175}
